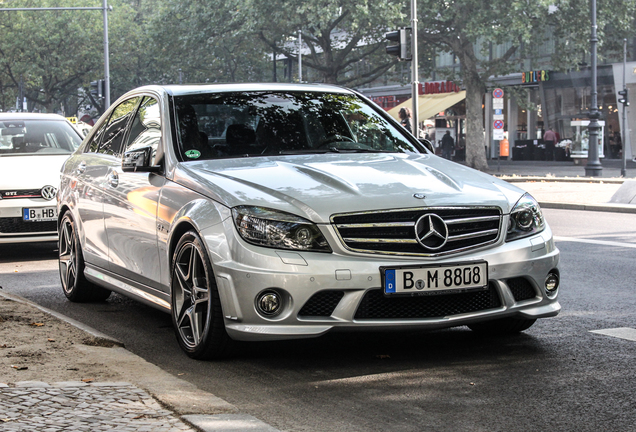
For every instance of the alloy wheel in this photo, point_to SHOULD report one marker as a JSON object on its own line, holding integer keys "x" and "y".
{"x": 67, "y": 255}
{"x": 191, "y": 295}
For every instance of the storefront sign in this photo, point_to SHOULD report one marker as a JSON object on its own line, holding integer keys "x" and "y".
{"x": 439, "y": 87}
{"x": 386, "y": 102}
{"x": 532, "y": 77}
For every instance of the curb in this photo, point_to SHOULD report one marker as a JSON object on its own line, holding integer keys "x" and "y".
{"x": 612, "y": 208}
{"x": 96, "y": 338}
{"x": 523, "y": 179}
{"x": 198, "y": 408}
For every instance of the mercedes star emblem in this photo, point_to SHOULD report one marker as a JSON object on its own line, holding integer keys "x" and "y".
{"x": 48, "y": 192}
{"x": 431, "y": 231}
{"x": 419, "y": 196}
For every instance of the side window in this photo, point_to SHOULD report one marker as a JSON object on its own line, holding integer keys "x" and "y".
{"x": 146, "y": 128}
{"x": 116, "y": 127}
{"x": 93, "y": 146}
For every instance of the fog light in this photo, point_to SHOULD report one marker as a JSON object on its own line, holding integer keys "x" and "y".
{"x": 551, "y": 282}
{"x": 269, "y": 303}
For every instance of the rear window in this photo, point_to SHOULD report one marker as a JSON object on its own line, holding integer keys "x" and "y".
{"x": 27, "y": 137}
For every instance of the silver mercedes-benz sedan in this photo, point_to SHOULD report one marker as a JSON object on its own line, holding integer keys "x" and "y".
{"x": 266, "y": 211}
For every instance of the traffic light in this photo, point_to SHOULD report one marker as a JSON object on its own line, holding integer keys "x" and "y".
{"x": 623, "y": 100}
{"x": 97, "y": 89}
{"x": 94, "y": 89}
{"x": 402, "y": 48}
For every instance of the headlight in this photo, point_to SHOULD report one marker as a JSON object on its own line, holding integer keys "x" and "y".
{"x": 526, "y": 219}
{"x": 272, "y": 228}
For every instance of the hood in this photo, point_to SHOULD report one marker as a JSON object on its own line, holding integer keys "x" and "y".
{"x": 318, "y": 186}
{"x": 31, "y": 171}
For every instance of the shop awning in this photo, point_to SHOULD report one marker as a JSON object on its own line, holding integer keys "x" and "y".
{"x": 430, "y": 104}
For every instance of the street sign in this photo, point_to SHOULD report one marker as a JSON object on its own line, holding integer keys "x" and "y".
{"x": 497, "y": 116}
{"x": 497, "y": 134}
{"x": 499, "y": 112}
{"x": 497, "y": 103}
{"x": 498, "y": 124}
{"x": 497, "y": 93}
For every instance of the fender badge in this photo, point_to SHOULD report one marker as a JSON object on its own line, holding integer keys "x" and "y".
{"x": 419, "y": 196}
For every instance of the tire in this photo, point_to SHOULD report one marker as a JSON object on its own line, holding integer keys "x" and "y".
{"x": 71, "y": 263}
{"x": 196, "y": 308}
{"x": 503, "y": 326}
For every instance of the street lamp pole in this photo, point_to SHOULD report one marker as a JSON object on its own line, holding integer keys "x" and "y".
{"x": 300, "y": 56}
{"x": 106, "y": 58}
{"x": 414, "y": 72}
{"x": 593, "y": 167}
{"x": 624, "y": 135}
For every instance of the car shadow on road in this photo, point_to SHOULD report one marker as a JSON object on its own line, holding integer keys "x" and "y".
{"x": 21, "y": 252}
{"x": 389, "y": 350}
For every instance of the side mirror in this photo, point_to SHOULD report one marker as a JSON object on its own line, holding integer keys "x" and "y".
{"x": 426, "y": 143}
{"x": 139, "y": 161}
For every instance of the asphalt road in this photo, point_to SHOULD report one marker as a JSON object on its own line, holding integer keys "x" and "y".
{"x": 556, "y": 376}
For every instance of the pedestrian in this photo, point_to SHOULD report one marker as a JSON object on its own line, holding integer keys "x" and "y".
{"x": 550, "y": 140}
{"x": 405, "y": 118}
{"x": 448, "y": 145}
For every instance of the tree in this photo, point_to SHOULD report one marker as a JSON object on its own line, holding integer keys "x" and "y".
{"x": 54, "y": 53}
{"x": 48, "y": 51}
{"x": 339, "y": 34}
{"x": 469, "y": 28}
{"x": 204, "y": 41}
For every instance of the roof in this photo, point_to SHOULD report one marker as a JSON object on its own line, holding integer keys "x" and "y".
{"x": 185, "y": 89}
{"x": 30, "y": 116}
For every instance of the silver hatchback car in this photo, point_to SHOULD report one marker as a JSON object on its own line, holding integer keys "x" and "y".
{"x": 265, "y": 211}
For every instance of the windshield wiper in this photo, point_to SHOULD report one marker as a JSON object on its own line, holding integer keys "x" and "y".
{"x": 308, "y": 151}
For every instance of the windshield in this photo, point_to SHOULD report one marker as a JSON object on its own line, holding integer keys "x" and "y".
{"x": 221, "y": 125}
{"x": 35, "y": 137}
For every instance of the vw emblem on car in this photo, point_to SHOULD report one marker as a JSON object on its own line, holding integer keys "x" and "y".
{"x": 419, "y": 196}
{"x": 431, "y": 231}
{"x": 48, "y": 192}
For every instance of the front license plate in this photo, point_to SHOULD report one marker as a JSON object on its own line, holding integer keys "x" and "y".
{"x": 39, "y": 214}
{"x": 430, "y": 280}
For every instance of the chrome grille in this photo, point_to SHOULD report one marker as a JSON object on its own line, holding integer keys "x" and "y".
{"x": 394, "y": 231}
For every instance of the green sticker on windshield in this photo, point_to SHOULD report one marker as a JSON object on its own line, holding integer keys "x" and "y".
{"x": 193, "y": 154}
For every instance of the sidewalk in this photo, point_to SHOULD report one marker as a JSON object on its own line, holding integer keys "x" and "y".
{"x": 563, "y": 185}
{"x": 59, "y": 375}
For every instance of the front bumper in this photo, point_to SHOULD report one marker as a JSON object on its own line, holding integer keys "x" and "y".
{"x": 517, "y": 272}
{"x": 13, "y": 229}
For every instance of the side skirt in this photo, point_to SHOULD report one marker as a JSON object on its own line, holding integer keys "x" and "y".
{"x": 142, "y": 293}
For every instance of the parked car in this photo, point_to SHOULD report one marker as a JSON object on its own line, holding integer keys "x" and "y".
{"x": 33, "y": 148}
{"x": 274, "y": 211}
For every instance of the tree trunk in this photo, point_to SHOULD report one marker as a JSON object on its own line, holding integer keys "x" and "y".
{"x": 475, "y": 88}
{"x": 475, "y": 140}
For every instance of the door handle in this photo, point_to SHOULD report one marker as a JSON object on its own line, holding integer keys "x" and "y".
{"x": 113, "y": 179}
{"x": 81, "y": 167}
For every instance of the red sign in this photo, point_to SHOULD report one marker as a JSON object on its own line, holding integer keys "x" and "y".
{"x": 497, "y": 93}
{"x": 498, "y": 124}
{"x": 438, "y": 87}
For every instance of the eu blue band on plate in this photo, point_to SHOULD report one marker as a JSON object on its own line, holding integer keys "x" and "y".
{"x": 389, "y": 281}
{"x": 25, "y": 214}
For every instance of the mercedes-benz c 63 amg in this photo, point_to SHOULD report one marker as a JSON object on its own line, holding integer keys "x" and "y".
{"x": 271, "y": 211}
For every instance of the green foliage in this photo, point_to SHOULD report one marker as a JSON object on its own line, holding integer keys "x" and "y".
{"x": 471, "y": 28}
{"x": 338, "y": 33}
